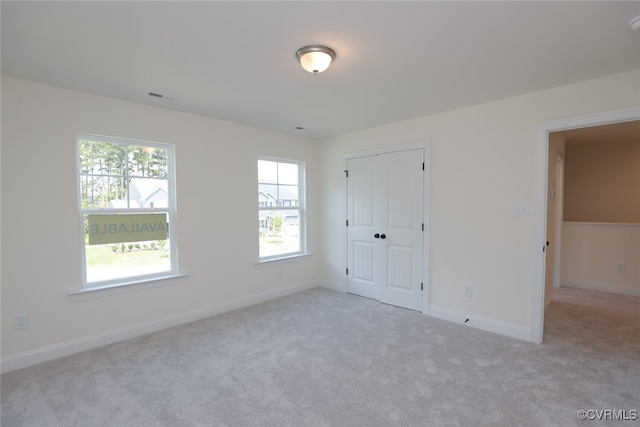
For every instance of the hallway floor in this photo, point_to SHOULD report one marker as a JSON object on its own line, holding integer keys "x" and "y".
{"x": 621, "y": 304}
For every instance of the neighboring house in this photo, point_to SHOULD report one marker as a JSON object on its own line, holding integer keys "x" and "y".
{"x": 266, "y": 199}
{"x": 144, "y": 193}
{"x": 287, "y": 197}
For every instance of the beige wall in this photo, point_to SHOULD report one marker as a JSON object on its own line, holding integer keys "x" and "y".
{"x": 602, "y": 182}
{"x": 601, "y": 257}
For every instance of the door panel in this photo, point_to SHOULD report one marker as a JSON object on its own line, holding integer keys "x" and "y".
{"x": 402, "y": 268}
{"x": 363, "y": 253}
{"x": 363, "y": 190}
{"x": 401, "y": 188}
{"x": 363, "y": 261}
{"x": 399, "y": 274}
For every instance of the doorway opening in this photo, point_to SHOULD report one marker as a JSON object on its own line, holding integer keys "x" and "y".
{"x": 542, "y": 288}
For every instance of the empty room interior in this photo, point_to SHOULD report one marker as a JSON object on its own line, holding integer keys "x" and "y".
{"x": 448, "y": 213}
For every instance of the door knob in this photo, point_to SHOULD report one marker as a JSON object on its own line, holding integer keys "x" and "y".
{"x": 383, "y": 236}
{"x": 377, "y": 235}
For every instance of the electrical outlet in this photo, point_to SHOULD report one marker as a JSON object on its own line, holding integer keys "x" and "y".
{"x": 468, "y": 291}
{"x": 620, "y": 268}
{"x": 22, "y": 321}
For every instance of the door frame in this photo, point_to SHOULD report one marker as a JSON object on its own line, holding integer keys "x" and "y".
{"x": 536, "y": 327}
{"x": 559, "y": 215}
{"x": 426, "y": 253}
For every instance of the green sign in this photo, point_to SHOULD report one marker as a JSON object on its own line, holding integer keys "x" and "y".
{"x": 117, "y": 228}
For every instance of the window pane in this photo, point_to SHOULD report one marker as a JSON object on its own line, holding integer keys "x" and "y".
{"x": 126, "y": 259}
{"x": 267, "y": 195}
{"x": 267, "y": 171}
{"x": 100, "y": 192}
{"x": 288, "y": 195}
{"x": 114, "y": 245}
{"x": 287, "y": 173}
{"x": 102, "y": 158}
{"x": 279, "y": 200}
{"x": 148, "y": 193}
{"x": 279, "y": 232}
{"x": 120, "y": 175}
{"x": 147, "y": 161}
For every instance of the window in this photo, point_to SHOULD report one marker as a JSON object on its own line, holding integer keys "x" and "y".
{"x": 127, "y": 209}
{"x": 281, "y": 209}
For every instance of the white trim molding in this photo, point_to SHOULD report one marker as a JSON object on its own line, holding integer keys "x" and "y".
{"x": 489, "y": 325}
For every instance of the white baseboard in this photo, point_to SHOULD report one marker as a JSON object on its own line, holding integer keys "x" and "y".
{"x": 67, "y": 348}
{"x": 602, "y": 287}
{"x": 502, "y": 328}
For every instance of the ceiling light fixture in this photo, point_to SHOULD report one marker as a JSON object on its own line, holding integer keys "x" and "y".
{"x": 315, "y": 58}
{"x": 634, "y": 23}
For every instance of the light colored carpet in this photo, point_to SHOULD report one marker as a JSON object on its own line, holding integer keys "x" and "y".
{"x": 602, "y": 301}
{"x": 322, "y": 358}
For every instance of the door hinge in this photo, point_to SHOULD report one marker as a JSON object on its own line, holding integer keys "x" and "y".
{"x": 423, "y": 226}
{"x": 422, "y": 165}
{"x": 347, "y": 271}
{"x": 347, "y": 221}
{"x": 346, "y": 173}
{"x": 422, "y": 286}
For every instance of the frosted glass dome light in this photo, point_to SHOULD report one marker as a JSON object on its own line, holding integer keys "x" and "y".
{"x": 315, "y": 59}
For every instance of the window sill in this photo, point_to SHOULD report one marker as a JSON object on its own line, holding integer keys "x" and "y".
{"x": 283, "y": 259}
{"x": 125, "y": 287}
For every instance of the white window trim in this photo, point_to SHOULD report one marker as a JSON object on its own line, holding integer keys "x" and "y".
{"x": 125, "y": 287}
{"x": 285, "y": 259}
{"x": 132, "y": 283}
{"x": 302, "y": 208}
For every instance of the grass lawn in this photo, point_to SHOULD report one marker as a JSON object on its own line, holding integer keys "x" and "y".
{"x": 104, "y": 256}
{"x": 104, "y": 264}
{"x": 274, "y": 245}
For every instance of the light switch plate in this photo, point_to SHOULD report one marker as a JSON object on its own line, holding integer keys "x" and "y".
{"x": 521, "y": 209}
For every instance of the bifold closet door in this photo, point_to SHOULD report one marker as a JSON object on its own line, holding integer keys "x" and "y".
{"x": 385, "y": 200}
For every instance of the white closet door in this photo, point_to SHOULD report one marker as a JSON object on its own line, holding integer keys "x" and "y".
{"x": 385, "y": 232}
{"x": 363, "y": 209}
{"x": 401, "y": 263}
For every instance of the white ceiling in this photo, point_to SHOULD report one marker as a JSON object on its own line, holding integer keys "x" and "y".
{"x": 395, "y": 60}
